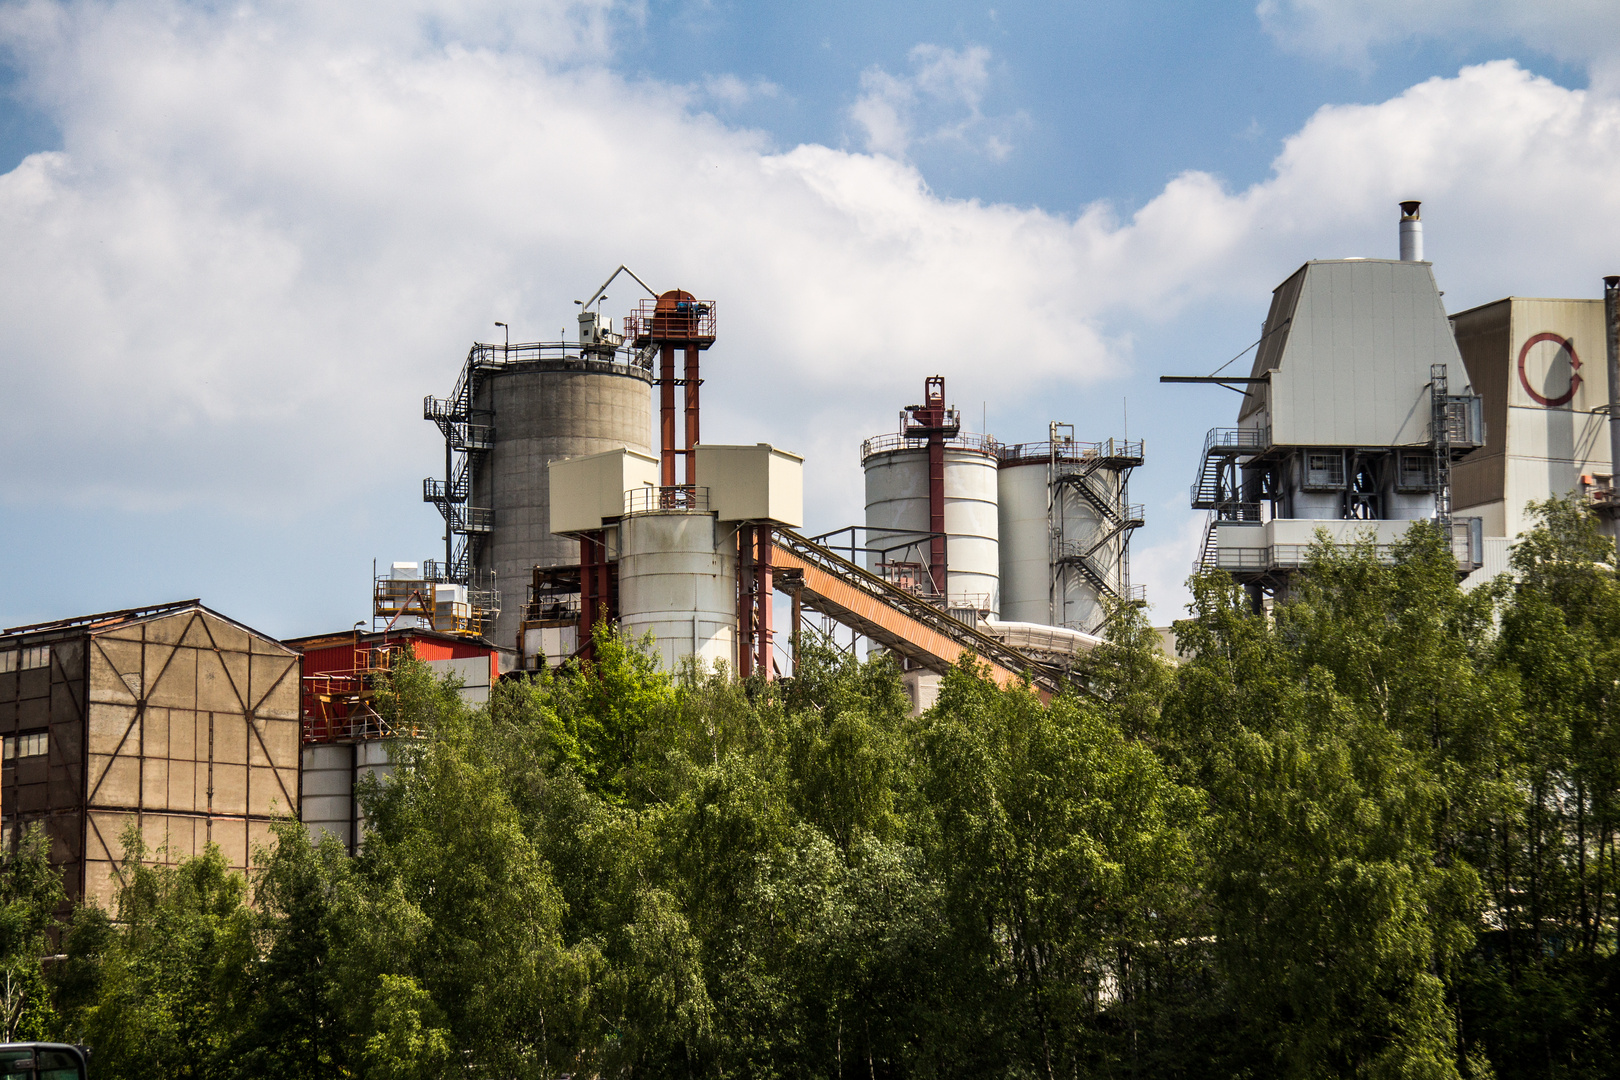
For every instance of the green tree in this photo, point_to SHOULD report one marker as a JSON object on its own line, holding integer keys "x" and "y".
{"x": 145, "y": 992}
{"x": 30, "y": 895}
{"x": 1342, "y": 743}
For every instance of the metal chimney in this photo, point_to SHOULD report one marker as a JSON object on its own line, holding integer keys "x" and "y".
{"x": 1611, "y": 316}
{"x": 1411, "y": 232}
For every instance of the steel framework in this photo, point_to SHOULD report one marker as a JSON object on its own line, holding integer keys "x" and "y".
{"x": 1073, "y": 472}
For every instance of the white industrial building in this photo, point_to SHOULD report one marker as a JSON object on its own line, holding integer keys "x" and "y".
{"x": 1540, "y": 366}
{"x": 1350, "y": 423}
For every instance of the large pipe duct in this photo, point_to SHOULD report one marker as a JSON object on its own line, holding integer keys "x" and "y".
{"x": 1411, "y": 232}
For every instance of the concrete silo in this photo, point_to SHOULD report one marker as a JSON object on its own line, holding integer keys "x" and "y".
{"x": 931, "y": 481}
{"x": 516, "y": 409}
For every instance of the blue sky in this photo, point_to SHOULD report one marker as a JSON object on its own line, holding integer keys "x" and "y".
{"x": 243, "y": 242}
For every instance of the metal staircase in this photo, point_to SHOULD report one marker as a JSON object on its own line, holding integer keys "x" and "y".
{"x": 466, "y": 445}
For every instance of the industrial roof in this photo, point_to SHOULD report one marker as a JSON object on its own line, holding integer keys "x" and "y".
{"x": 108, "y": 620}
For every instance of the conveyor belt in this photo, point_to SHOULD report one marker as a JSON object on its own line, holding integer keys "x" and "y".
{"x": 915, "y": 629}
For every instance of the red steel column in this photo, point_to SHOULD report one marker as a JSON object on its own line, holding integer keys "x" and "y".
{"x": 936, "y": 509}
{"x": 587, "y": 593}
{"x": 745, "y": 601}
{"x": 604, "y": 580}
{"x": 666, "y": 414}
{"x": 693, "y": 382}
{"x": 762, "y": 601}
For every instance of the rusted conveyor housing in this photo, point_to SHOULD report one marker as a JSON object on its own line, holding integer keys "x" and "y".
{"x": 848, "y": 593}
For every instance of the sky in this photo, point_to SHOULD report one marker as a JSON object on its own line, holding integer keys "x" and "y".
{"x": 240, "y": 241}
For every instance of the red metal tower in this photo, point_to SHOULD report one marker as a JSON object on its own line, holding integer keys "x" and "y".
{"x": 934, "y": 422}
{"x": 675, "y": 320}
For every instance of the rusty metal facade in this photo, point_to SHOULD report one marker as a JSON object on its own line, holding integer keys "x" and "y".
{"x": 175, "y": 720}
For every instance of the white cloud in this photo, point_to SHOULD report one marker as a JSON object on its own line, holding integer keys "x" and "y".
{"x": 732, "y": 92}
{"x": 939, "y": 102}
{"x": 269, "y": 233}
{"x": 1581, "y": 32}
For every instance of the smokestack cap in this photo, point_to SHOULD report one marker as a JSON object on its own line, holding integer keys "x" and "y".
{"x": 1612, "y": 281}
{"x": 1409, "y": 210}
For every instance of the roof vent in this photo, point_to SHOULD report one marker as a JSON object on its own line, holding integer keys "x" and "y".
{"x": 1411, "y": 232}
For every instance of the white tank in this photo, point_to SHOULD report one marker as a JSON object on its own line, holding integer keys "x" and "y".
{"x": 1026, "y": 553}
{"x": 327, "y": 802}
{"x": 678, "y": 579}
{"x": 897, "y": 498}
{"x": 1038, "y": 583}
{"x": 1078, "y": 526}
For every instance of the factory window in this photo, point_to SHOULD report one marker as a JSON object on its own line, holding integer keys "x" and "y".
{"x": 28, "y": 744}
{"x": 1417, "y": 472}
{"x": 1324, "y": 470}
{"x": 35, "y": 656}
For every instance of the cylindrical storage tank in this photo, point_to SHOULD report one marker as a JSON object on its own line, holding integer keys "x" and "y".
{"x": 326, "y": 801}
{"x": 1026, "y": 551}
{"x": 542, "y": 410}
{"x": 678, "y": 579}
{"x": 897, "y": 499}
{"x": 1079, "y": 527}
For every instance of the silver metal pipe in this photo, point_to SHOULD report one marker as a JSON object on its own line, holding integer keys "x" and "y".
{"x": 1411, "y": 232}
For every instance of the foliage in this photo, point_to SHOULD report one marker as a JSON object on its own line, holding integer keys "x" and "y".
{"x": 1368, "y": 831}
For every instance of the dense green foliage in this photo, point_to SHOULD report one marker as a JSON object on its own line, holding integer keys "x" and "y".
{"x": 1372, "y": 833}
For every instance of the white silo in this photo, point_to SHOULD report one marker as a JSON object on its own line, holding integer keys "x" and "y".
{"x": 1026, "y": 548}
{"x": 1065, "y": 526}
{"x": 931, "y": 478}
{"x": 678, "y": 579}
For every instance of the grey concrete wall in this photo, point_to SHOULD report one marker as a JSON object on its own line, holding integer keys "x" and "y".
{"x": 543, "y": 411}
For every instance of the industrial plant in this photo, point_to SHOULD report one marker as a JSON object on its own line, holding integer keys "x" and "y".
{"x": 579, "y": 487}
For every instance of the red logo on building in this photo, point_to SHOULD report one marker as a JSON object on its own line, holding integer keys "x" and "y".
{"x": 1564, "y": 346}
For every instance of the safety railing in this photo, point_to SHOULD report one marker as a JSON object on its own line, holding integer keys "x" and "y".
{"x": 1068, "y": 452}
{"x": 653, "y": 500}
{"x": 1282, "y": 556}
{"x": 472, "y": 519}
{"x": 894, "y": 440}
{"x": 1236, "y": 439}
{"x": 672, "y": 321}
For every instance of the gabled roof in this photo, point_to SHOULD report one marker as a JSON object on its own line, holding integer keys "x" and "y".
{"x": 111, "y": 620}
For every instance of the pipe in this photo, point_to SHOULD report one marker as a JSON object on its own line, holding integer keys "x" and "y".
{"x": 1411, "y": 232}
{"x": 1611, "y": 317}
{"x": 693, "y": 381}
{"x": 666, "y": 415}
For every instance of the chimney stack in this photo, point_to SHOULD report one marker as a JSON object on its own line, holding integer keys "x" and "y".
{"x": 1411, "y": 232}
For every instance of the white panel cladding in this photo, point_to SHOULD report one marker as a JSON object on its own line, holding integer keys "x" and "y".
{"x": 1025, "y": 545}
{"x": 678, "y": 580}
{"x": 1355, "y": 368}
{"x": 897, "y": 498}
{"x": 753, "y": 483}
{"x": 330, "y": 773}
{"x": 549, "y": 646}
{"x": 473, "y": 671}
{"x": 327, "y": 802}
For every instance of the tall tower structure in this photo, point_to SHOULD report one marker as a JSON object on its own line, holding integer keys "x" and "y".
{"x": 514, "y": 410}
{"x": 675, "y": 321}
{"x": 931, "y": 487}
{"x": 1350, "y": 423}
{"x": 1066, "y": 525}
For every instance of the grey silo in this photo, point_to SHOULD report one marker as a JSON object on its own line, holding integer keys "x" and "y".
{"x": 542, "y": 410}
